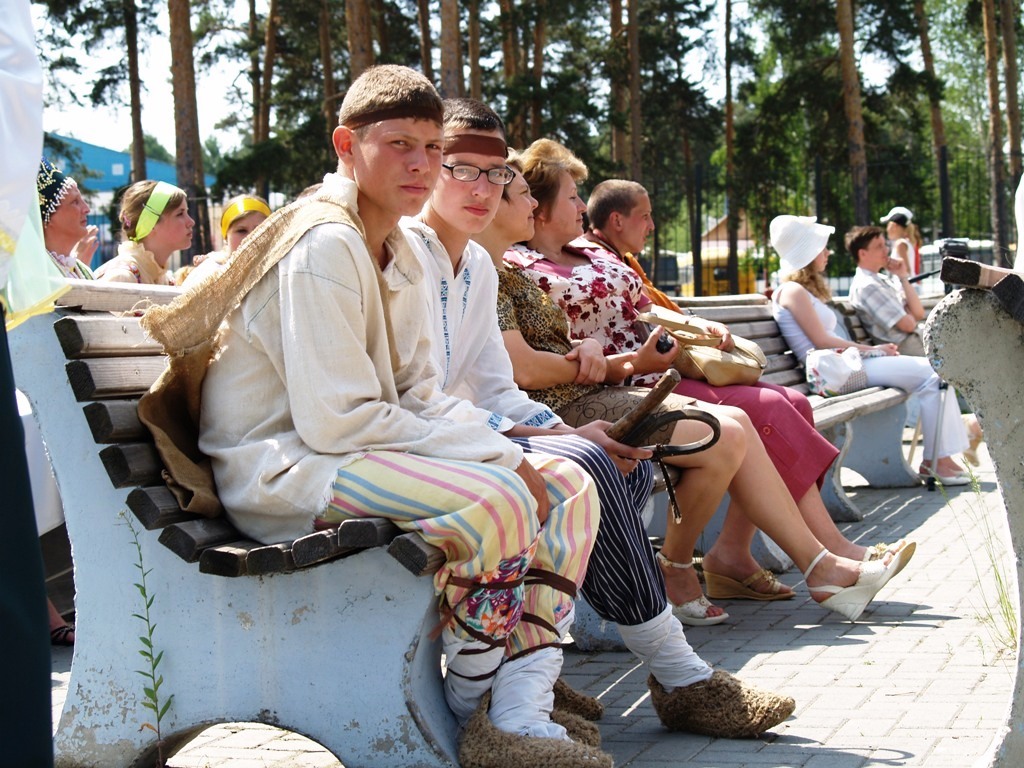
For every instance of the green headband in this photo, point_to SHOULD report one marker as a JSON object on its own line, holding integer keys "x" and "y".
{"x": 154, "y": 207}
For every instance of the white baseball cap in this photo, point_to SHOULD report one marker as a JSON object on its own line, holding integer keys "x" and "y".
{"x": 897, "y": 213}
{"x": 798, "y": 240}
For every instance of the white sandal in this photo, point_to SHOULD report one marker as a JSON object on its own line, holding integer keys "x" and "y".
{"x": 694, "y": 612}
{"x": 851, "y": 601}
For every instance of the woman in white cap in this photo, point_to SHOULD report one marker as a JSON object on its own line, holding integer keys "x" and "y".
{"x": 904, "y": 238}
{"x": 801, "y": 309}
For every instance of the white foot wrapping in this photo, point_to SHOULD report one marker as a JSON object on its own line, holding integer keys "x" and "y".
{"x": 661, "y": 644}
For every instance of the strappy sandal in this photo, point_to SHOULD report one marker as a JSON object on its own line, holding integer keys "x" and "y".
{"x": 852, "y": 600}
{"x": 724, "y": 588}
{"x": 59, "y": 636}
{"x": 901, "y": 552}
{"x": 694, "y": 612}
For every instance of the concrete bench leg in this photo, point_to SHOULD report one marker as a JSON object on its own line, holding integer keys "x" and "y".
{"x": 876, "y": 452}
{"x": 978, "y": 347}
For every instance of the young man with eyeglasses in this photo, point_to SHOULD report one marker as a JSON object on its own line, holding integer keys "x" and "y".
{"x": 623, "y": 582}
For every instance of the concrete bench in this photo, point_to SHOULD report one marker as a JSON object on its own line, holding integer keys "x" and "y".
{"x": 325, "y": 636}
{"x": 866, "y": 426}
{"x": 974, "y": 340}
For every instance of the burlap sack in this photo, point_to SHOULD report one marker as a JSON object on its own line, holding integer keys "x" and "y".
{"x": 187, "y": 329}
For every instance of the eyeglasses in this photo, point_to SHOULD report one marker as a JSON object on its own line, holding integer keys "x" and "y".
{"x": 462, "y": 172}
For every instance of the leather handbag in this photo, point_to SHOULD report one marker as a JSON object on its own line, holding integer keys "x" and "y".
{"x": 699, "y": 357}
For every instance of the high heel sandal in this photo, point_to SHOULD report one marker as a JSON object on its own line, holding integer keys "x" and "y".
{"x": 693, "y": 612}
{"x": 851, "y": 601}
{"x": 901, "y": 552}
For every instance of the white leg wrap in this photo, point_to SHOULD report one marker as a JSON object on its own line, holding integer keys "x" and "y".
{"x": 522, "y": 697}
{"x": 463, "y": 694}
{"x": 661, "y": 644}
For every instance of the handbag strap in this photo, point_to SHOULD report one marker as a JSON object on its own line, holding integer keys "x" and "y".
{"x": 684, "y": 333}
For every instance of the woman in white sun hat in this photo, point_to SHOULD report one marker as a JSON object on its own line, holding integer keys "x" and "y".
{"x": 904, "y": 238}
{"x": 800, "y": 306}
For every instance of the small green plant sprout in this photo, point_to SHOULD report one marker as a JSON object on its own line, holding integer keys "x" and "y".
{"x": 153, "y": 680}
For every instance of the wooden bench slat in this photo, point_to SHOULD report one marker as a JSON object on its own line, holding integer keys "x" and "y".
{"x": 130, "y": 464}
{"x": 268, "y": 559}
{"x": 351, "y": 536}
{"x": 155, "y": 507}
{"x": 227, "y": 559}
{"x": 98, "y": 296}
{"x": 108, "y": 377}
{"x": 188, "y": 539}
{"x": 103, "y": 335}
{"x": 115, "y": 421}
{"x": 418, "y": 557}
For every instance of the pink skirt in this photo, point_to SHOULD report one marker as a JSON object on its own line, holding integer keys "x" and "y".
{"x": 785, "y": 421}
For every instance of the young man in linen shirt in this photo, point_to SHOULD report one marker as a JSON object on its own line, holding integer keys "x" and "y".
{"x": 323, "y": 405}
{"x": 624, "y": 583}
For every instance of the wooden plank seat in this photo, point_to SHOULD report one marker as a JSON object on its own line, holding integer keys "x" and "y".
{"x": 866, "y": 426}
{"x": 326, "y": 635}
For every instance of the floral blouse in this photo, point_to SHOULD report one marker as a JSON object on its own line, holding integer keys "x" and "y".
{"x": 601, "y": 300}
{"x": 523, "y": 307}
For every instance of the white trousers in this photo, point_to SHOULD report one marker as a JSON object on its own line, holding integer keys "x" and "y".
{"x": 915, "y": 375}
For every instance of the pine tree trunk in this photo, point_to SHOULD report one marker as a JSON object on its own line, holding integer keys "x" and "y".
{"x": 269, "y": 56}
{"x": 618, "y": 87}
{"x": 854, "y": 114}
{"x": 254, "y": 69}
{"x": 188, "y": 149}
{"x": 1008, "y": 22}
{"x": 379, "y": 15}
{"x": 934, "y": 101}
{"x": 997, "y": 190}
{"x": 540, "y": 32}
{"x": 511, "y": 69}
{"x": 475, "y": 80}
{"x": 360, "y": 36}
{"x": 131, "y": 38}
{"x": 635, "y": 103}
{"x": 732, "y": 223}
{"x": 327, "y": 64}
{"x": 426, "y": 45}
{"x": 451, "y": 40}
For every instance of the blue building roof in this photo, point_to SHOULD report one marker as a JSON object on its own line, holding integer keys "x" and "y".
{"x": 114, "y": 168}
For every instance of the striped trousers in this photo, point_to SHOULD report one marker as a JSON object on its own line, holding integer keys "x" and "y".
{"x": 483, "y": 517}
{"x": 624, "y": 584}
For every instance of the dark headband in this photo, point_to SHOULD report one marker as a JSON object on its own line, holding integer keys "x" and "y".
{"x": 399, "y": 111}
{"x": 476, "y": 144}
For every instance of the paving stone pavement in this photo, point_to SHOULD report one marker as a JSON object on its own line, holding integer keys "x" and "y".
{"x": 922, "y": 679}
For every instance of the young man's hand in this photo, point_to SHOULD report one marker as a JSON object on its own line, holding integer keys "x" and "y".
{"x": 536, "y": 485}
{"x": 626, "y": 457}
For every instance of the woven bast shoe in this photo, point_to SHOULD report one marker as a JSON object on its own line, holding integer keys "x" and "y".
{"x": 568, "y": 699}
{"x": 722, "y": 706}
{"x": 484, "y": 746}
{"x": 579, "y": 729}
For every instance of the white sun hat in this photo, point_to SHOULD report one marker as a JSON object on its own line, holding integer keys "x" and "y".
{"x": 903, "y": 216}
{"x": 798, "y": 240}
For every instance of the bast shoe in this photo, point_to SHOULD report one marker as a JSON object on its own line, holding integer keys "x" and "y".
{"x": 725, "y": 588}
{"x": 722, "y": 706}
{"x": 579, "y": 729}
{"x": 482, "y": 745}
{"x": 568, "y": 699}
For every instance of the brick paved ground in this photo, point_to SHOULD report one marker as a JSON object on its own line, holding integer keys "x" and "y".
{"x": 923, "y": 679}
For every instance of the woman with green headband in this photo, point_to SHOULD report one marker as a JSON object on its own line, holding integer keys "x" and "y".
{"x": 155, "y": 221}
{"x": 242, "y": 214}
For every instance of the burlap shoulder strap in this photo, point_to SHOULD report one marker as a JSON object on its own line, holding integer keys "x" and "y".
{"x": 187, "y": 328}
